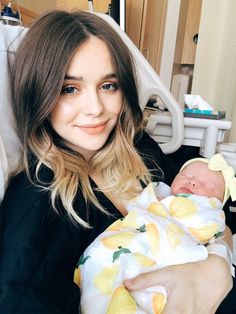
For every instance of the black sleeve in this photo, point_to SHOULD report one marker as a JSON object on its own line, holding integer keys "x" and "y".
{"x": 38, "y": 255}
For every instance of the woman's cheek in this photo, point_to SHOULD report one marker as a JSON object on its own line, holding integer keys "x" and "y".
{"x": 63, "y": 110}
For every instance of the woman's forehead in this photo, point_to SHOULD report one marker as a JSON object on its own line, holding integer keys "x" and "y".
{"x": 93, "y": 53}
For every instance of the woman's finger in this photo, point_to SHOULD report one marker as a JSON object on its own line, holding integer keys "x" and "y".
{"x": 160, "y": 277}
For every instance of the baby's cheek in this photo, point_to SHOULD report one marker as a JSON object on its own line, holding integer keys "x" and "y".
{"x": 204, "y": 191}
{"x": 219, "y": 194}
{"x": 175, "y": 189}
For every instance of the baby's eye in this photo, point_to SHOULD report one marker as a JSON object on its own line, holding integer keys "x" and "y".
{"x": 109, "y": 86}
{"x": 208, "y": 185}
{"x": 69, "y": 90}
{"x": 187, "y": 174}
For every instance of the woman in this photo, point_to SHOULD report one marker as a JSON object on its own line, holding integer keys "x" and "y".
{"x": 76, "y": 106}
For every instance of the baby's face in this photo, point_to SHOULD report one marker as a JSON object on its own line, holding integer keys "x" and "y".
{"x": 196, "y": 178}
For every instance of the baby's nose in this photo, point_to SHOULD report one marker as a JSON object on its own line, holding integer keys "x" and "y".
{"x": 192, "y": 182}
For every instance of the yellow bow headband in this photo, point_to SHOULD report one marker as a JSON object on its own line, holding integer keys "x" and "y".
{"x": 218, "y": 163}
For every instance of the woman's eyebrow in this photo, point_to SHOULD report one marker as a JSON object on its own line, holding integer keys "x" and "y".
{"x": 110, "y": 75}
{"x": 80, "y": 78}
{"x": 73, "y": 78}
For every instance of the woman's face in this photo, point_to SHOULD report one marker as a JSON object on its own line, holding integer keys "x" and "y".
{"x": 91, "y": 100}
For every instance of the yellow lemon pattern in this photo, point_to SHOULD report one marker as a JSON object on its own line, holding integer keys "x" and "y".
{"x": 158, "y": 209}
{"x": 115, "y": 226}
{"x": 117, "y": 240}
{"x": 130, "y": 221}
{"x": 143, "y": 260}
{"x": 174, "y": 234}
{"x": 77, "y": 277}
{"x": 122, "y": 302}
{"x": 204, "y": 234}
{"x": 104, "y": 281}
{"x": 158, "y": 303}
{"x": 77, "y": 272}
{"x": 154, "y": 234}
{"x": 153, "y": 237}
{"x": 182, "y": 207}
{"x": 213, "y": 203}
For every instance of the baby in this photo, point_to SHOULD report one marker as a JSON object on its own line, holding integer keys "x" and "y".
{"x": 164, "y": 226}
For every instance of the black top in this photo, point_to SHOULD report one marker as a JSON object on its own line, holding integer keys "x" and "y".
{"x": 40, "y": 248}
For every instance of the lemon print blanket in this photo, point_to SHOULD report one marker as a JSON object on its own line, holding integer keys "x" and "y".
{"x": 153, "y": 234}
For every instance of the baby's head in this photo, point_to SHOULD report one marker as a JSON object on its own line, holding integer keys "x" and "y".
{"x": 211, "y": 178}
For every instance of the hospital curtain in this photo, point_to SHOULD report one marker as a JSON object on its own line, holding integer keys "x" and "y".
{"x": 215, "y": 66}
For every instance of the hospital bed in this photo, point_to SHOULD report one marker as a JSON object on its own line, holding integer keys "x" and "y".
{"x": 170, "y": 129}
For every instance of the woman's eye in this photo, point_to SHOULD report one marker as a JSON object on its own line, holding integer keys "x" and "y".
{"x": 69, "y": 90}
{"x": 110, "y": 86}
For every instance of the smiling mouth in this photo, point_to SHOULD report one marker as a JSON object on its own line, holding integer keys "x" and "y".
{"x": 92, "y": 129}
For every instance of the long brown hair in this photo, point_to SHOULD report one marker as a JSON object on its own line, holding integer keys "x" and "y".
{"x": 38, "y": 74}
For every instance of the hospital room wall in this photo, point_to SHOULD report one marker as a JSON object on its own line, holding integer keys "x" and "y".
{"x": 42, "y": 5}
{"x": 215, "y": 63}
{"x": 35, "y": 6}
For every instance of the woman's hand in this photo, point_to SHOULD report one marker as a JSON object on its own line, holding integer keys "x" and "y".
{"x": 192, "y": 288}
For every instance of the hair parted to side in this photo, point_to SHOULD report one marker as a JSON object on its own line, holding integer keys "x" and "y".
{"x": 38, "y": 74}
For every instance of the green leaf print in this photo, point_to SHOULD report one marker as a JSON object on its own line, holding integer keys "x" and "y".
{"x": 117, "y": 254}
{"x": 82, "y": 260}
{"x": 142, "y": 228}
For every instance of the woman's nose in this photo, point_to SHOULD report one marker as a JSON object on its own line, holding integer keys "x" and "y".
{"x": 93, "y": 105}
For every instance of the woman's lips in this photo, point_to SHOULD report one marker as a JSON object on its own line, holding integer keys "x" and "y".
{"x": 92, "y": 129}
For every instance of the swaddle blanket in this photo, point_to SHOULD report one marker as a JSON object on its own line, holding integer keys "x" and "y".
{"x": 154, "y": 234}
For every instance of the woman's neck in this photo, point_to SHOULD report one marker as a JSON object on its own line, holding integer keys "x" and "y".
{"x": 116, "y": 198}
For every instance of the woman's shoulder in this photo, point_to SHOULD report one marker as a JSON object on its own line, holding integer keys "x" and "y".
{"x": 162, "y": 165}
{"x": 144, "y": 141}
{"x": 24, "y": 196}
{"x": 149, "y": 150}
{"x": 24, "y": 184}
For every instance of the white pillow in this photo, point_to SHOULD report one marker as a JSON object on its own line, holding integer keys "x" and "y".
{"x": 10, "y": 146}
{"x": 3, "y": 169}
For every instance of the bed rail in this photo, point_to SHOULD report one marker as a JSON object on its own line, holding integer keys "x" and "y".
{"x": 149, "y": 85}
